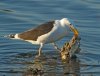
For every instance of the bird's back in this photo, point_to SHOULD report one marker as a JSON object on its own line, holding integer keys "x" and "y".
{"x": 33, "y": 34}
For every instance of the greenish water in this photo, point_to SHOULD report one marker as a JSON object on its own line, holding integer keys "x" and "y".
{"x": 19, "y": 15}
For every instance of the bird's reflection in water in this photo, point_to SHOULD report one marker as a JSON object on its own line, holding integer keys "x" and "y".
{"x": 37, "y": 68}
{"x": 49, "y": 66}
{"x": 71, "y": 67}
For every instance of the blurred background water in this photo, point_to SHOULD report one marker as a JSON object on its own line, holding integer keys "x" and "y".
{"x": 20, "y": 15}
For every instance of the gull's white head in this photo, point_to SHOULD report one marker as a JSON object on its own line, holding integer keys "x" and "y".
{"x": 68, "y": 22}
{"x": 65, "y": 21}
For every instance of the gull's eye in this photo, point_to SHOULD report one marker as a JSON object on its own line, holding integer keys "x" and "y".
{"x": 70, "y": 24}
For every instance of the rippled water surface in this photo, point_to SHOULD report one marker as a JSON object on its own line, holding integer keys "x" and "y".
{"x": 17, "y": 57}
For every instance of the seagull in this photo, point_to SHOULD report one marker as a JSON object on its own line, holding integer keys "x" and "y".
{"x": 49, "y": 32}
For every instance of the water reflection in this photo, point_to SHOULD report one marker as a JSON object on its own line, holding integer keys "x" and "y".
{"x": 47, "y": 66}
{"x": 71, "y": 67}
{"x": 6, "y": 10}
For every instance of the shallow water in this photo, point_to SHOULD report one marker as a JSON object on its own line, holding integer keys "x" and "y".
{"x": 17, "y": 56}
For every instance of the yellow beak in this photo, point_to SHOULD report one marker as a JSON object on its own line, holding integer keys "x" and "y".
{"x": 74, "y": 30}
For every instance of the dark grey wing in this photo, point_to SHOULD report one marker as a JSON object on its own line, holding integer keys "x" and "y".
{"x": 35, "y": 33}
